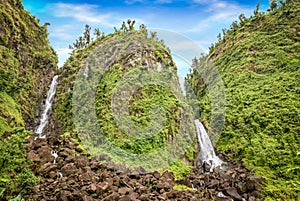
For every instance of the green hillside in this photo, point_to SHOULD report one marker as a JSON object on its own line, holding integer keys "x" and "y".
{"x": 131, "y": 62}
{"x": 258, "y": 59}
{"x": 27, "y": 64}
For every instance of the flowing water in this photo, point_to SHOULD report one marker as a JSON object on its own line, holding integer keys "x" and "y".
{"x": 44, "y": 118}
{"x": 207, "y": 153}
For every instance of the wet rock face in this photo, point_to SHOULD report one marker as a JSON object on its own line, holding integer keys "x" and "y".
{"x": 76, "y": 177}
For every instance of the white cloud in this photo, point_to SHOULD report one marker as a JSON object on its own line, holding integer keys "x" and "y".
{"x": 83, "y": 13}
{"x": 218, "y": 12}
{"x": 62, "y": 31}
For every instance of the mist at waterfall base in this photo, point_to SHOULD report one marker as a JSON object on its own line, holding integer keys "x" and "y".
{"x": 48, "y": 104}
{"x": 207, "y": 153}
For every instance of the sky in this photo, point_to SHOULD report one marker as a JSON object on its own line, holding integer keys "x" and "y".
{"x": 195, "y": 22}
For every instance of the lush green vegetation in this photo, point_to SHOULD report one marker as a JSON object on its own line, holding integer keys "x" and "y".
{"x": 258, "y": 60}
{"x": 136, "y": 63}
{"x": 180, "y": 169}
{"x": 26, "y": 69}
{"x": 15, "y": 177}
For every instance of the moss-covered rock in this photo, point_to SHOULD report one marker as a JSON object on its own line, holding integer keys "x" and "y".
{"x": 28, "y": 62}
{"x": 27, "y": 65}
{"x": 122, "y": 92}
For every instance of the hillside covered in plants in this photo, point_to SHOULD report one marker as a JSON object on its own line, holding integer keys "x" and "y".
{"x": 139, "y": 61}
{"x": 117, "y": 126}
{"x": 258, "y": 59}
{"x": 27, "y": 64}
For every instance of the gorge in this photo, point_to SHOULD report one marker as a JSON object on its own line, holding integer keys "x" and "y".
{"x": 49, "y": 153}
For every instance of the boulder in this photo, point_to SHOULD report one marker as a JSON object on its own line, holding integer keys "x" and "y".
{"x": 232, "y": 192}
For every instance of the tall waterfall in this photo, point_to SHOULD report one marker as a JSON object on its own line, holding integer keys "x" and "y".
{"x": 207, "y": 153}
{"x": 44, "y": 118}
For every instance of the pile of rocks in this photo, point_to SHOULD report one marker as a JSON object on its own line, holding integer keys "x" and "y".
{"x": 71, "y": 175}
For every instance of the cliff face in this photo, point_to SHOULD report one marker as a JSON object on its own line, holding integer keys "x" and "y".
{"x": 258, "y": 59}
{"x": 134, "y": 74}
{"x": 27, "y": 64}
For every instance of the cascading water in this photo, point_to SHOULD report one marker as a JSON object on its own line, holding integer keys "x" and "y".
{"x": 47, "y": 107}
{"x": 207, "y": 153}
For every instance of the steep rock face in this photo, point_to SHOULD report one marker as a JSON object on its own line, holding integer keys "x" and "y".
{"x": 131, "y": 62}
{"x": 27, "y": 60}
{"x": 259, "y": 61}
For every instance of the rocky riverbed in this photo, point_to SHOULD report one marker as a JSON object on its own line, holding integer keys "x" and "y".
{"x": 75, "y": 176}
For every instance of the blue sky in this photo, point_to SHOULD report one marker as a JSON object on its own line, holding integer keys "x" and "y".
{"x": 198, "y": 21}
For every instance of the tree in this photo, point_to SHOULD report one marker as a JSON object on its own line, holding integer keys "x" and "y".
{"x": 242, "y": 18}
{"x": 219, "y": 37}
{"x": 98, "y": 33}
{"x": 224, "y": 32}
{"x": 234, "y": 25}
{"x": 256, "y": 11}
{"x": 153, "y": 35}
{"x": 143, "y": 29}
{"x": 273, "y": 5}
{"x": 124, "y": 27}
{"x": 131, "y": 24}
{"x": 87, "y": 35}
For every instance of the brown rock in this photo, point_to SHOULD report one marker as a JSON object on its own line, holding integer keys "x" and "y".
{"x": 143, "y": 190}
{"x": 104, "y": 185}
{"x": 65, "y": 152}
{"x": 185, "y": 181}
{"x": 232, "y": 192}
{"x": 255, "y": 194}
{"x": 241, "y": 187}
{"x": 48, "y": 167}
{"x": 53, "y": 174}
{"x": 252, "y": 183}
{"x": 82, "y": 161}
{"x": 168, "y": 175}
{"x": 124, "y": 190}
{"x": 113, "y": 196}
{"x": 111, "y": 180}
{"x": 213, "y": 184}
{"x": 164, "y": 185}
{"x": 93, "y": 187}
{"x": 70, "y": 159}
{"x": 33, "y": 156}
{"x": 68, "y": 169}
{"x": 45, "y": 154}
{"x": 87, "y": 198}
{"x": 65, "y": 195}
{"x": 172, "y": 194}
{"x": 156, "y": 174}
{"x": 90, "y": 176}
{"x": 116, "y": 181}
{"x": 95, "y": 166}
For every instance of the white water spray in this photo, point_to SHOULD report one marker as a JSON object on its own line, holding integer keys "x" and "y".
{"x": 207, "y": 153}
{"x": 44, "y": 118}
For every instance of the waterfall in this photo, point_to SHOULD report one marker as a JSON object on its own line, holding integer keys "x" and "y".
{"x": 207, "y": 153}
{"x": 47, "y": 107}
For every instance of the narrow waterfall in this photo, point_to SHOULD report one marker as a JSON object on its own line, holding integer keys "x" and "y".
{"x": 47, "y": 107}
{"x": 207, "y": 153}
